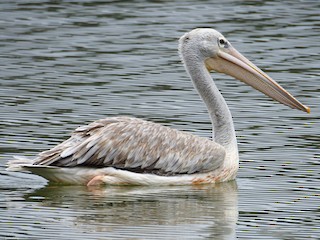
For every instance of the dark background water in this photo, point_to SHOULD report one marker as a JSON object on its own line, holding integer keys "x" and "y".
{"x": 67, "y": 63}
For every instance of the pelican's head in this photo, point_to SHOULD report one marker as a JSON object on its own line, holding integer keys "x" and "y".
{"x": 211, "y": 47}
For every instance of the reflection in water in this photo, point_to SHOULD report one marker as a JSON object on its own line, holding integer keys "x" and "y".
{"x": 186, "y": 211}
{"x": 67, "y": 63}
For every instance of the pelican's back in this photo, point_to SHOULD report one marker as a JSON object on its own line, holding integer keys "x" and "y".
{"x": 136, "y": 145}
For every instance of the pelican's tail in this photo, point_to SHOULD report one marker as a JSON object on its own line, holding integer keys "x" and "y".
{"x": 19, "y": 164}
{"x": 67, "y": 175}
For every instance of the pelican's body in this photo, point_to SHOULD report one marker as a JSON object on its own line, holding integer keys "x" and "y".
{"x": 131, "y": 151}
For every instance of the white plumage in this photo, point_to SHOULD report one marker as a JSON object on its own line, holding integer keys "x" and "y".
{"x": 124, "y": 150}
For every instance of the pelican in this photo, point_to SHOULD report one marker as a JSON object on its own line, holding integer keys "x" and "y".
{"x": 130, "y": 151}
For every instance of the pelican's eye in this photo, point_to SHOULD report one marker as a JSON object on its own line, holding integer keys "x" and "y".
{"x": 223, "y": 42}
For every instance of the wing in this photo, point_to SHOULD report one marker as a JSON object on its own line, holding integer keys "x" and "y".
{"x": 136, "y": 145}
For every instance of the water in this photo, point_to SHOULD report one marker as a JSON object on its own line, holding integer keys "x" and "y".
{"x": 67, "y": 63}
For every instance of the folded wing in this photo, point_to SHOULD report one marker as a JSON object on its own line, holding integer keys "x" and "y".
{"x": 135, "y": 145}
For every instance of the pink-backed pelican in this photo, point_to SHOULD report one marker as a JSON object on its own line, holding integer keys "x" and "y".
{"x": 131, "y": 151}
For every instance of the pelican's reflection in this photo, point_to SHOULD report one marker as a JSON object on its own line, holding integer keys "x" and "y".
{"x": 210, "y": 211}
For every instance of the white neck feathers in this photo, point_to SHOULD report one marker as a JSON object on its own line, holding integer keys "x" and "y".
{"x": 223, "y": 130}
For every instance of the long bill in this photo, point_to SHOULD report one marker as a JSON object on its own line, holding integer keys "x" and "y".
{"x": 233, "y": 63}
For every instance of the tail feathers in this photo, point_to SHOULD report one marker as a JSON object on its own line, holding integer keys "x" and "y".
{"x": 19, "y": 163}
{"x": 67, "y": 175}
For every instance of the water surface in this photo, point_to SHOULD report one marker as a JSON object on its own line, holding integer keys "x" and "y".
{"x": 67, "y": 63}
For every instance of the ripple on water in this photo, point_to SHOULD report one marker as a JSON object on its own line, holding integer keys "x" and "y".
{"x": 67, "y": 63}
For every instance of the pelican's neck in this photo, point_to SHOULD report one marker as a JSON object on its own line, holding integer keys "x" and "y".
{"x": 223, "y": 130}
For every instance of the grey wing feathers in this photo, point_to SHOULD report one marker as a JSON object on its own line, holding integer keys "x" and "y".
{"x": 137, "y": 145}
